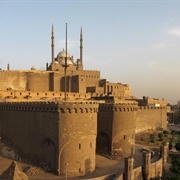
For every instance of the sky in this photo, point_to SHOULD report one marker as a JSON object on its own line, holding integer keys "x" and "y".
{"x": 135, "y": 42}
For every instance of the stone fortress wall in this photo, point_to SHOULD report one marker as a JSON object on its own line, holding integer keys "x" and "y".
{"x": 51, "y": 133}
{"x": 119, "y": 122}
{"x": 14, "y": 95}
{"x": 150, "y": 169}
{"x": 79, "y": 81}
{"x": 62, "y": 133}
{"x": 116, "y": 129}
{"x": 151, "y": 118}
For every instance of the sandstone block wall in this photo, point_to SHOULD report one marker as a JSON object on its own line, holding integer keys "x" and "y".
{"x": 116, "y": 129}
{"x": 12, "y": 95}
{"x": 151, "y": 118}
{"x": 77, "y": 137}
{"x": 15, "y": 80}
{"x": 32, "y": 128}
{"x": 52, "y": 133}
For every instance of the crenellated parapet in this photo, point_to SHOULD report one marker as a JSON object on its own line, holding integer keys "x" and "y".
{"x": 78, "y": 107}
{"x": 48, "y": 106}
{"x": 119, "y": 107}
{"x": 43, "y": 106}
{"x": 150, "y": 108}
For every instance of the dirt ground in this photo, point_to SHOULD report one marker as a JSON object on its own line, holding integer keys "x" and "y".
{"x": 103, "y": 165}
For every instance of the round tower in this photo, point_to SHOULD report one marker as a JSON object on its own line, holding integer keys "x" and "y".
{"x": 116, "y": 129}
{"x": 77, "y": 138}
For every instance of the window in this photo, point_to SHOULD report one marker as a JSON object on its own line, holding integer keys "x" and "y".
{"x": 79, "y": 146}
{"x": 90, "y": 144}
{"x": 124, "y": 136}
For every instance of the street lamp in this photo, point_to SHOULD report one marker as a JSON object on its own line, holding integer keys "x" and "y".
{"x": 66, "y": 169}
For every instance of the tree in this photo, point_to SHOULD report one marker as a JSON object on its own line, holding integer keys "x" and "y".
{"x": 175, "y": 168}
{"x": 160, "y": 136}
{"x": 177, "y": 117}
{"x": 177, "y": 146}
{"x": 170, "y": 144}
{"x": 152, "y": 138}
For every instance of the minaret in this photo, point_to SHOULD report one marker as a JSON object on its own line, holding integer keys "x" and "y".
{"x": 81, "y": 48}
{"x": 52, "y": 44}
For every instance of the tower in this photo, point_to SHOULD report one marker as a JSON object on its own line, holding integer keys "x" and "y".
{"x": 164, "y": 152}
{"x": 129, "y": 166}
{"x": 52, "y": 44}
{"x": 81, "y": 48}
{"x": 146, "y": 169}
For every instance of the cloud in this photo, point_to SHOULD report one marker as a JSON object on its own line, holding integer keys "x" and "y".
{"x": 175, "y": 31}
{"x": 161, "y": 45}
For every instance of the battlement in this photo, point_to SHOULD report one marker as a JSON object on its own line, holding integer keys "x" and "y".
{"x": 51, "y": 106}
{"x": 150, "y": 107}
{"x": 78, "y": 107}
{"x": 30, "y": 106}
{"x": 118, "y": 107}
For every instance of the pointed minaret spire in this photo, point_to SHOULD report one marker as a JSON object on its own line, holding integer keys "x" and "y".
{"x": 81, "y": 48}
{"x": 52, "y": 43}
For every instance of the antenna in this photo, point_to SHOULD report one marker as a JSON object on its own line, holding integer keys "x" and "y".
{"x": 65, "y": 67}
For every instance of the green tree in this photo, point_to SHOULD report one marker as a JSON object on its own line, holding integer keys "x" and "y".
{"x": 170, "y": 144}
{"x": 152, "y": 138}
{"x": 160, "y": 136}
{"x": 165, "y": 132}
{"x": 177, "y": 117}
{"x": 175, "y": 168}
{"x": 177, "y": 146}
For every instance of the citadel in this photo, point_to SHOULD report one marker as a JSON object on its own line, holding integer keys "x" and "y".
{"x": 66, "y": 114}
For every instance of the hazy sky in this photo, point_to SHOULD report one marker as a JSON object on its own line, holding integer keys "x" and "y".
{"x": 135, "y": 42}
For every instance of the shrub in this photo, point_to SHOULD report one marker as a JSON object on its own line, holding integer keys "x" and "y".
{"x": 165, "y": 132}
{"x": 170, "y": 144}
{"x": 175, "y": 168}
{"x": 160, "y": 136}
{"x": 177, "y": 146}
{"x": 152, "y": 138}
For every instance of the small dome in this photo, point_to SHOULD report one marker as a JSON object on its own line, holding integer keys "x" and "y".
{"x": 62, "y": 54}
{"x": 33, "y": 68}
{"x": 68, "y": 62}
{"x": 55, "y": 62}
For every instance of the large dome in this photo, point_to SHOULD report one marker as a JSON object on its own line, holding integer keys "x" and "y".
{"x": 62, "y": 54}
{"x": 68, "y": 62}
